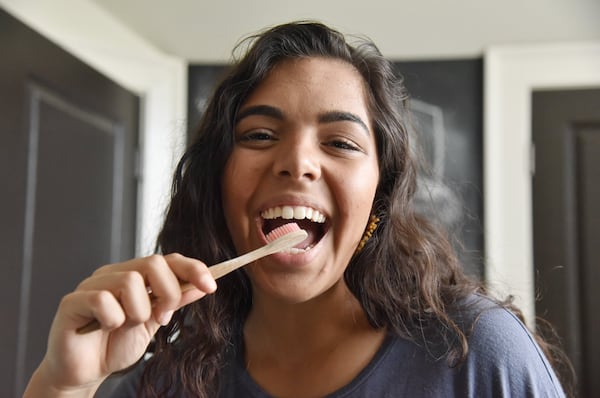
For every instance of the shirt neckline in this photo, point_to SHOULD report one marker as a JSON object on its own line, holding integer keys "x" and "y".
{"x": 251, "y": 386}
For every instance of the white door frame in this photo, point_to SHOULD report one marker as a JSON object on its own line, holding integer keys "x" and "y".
{"x": 511, "y": 73}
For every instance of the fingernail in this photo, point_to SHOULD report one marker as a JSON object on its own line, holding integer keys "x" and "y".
{"x": 165, "y": 318}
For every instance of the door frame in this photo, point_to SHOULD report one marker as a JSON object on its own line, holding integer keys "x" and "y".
{"x": 103, "y": 42}
{"x": 511, "y": 73}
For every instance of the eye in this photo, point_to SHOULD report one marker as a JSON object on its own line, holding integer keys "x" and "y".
{"x": 259, "y": 135}
{"x": 343, "y": 144}
{"x": 256, "y": 137}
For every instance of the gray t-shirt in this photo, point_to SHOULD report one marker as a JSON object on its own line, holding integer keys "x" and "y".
{"x": 503, "y": 361}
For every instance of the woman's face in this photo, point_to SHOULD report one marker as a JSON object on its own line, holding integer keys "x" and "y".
{"x": 304, "y": 148}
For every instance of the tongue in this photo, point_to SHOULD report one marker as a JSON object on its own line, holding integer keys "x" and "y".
{"x": 310, "y": 239}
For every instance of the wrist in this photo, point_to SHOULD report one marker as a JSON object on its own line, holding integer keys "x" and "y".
{"x": 42, "y": 384}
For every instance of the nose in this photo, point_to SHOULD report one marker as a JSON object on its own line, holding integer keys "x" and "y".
{"x": 298, "y": 159}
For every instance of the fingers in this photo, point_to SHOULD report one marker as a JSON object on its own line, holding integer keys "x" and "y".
{"x": 130, "y": 282}
{"x": 162, "y": 281}
{"x": 192, "y": 271}
{"x": 127, "y": 289}
{"x": 187, "y": 271}
{"x": 94, "y": 304}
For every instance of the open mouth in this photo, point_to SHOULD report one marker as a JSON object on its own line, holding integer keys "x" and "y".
{"x": 307, "y": 218}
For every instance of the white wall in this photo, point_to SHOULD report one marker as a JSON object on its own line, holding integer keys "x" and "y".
{"x": 93, "y": 35}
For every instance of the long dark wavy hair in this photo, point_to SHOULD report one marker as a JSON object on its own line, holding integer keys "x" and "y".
{"x": 406, "y": 278}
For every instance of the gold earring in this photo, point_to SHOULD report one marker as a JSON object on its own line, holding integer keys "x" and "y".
{"x": 373, "y": 221}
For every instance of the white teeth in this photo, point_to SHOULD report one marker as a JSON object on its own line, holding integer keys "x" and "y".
{"x": 295, "y": 250}
{"x": 287, "y": 212}
{"x": 293, "y": 212}
{"x": 299, "y": 212}
{"x": 309, "y": 213}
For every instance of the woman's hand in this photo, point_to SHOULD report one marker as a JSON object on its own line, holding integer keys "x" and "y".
{"x": 117, "y": 297}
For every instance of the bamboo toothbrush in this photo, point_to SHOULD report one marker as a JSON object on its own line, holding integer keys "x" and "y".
{"x": 281, "y": 238}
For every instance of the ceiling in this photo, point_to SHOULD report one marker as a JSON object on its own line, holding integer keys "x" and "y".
{"x": 206, "y": 31}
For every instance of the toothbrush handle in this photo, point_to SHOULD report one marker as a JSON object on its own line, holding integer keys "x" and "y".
{"x": 225, "y": 267}
{"x": 285, "y": 242}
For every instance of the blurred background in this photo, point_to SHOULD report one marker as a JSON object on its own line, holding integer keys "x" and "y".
{"x": 98, "y": 99}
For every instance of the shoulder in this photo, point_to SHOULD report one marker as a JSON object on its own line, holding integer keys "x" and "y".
{"x": 496, "y": 332}
{"x": 503, "y": 355}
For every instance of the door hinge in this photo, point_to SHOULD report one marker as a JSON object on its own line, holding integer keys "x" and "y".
{"x": 137, "y": 165}
{"x": 532, "y": 159}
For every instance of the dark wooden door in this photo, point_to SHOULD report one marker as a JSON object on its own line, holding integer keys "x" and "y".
{"x": 566, "y": 223}
{"x": 68, "y": 138}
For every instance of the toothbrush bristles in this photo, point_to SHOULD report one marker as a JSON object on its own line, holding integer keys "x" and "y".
{"x": 281, "y": 231}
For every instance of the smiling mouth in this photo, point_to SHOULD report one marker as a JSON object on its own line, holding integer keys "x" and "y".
{"x": 307, "y": 218}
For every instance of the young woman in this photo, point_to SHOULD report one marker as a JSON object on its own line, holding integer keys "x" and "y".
{"x": 309, "y": 129}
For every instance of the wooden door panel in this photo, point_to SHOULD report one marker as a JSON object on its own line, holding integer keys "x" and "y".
{"x": 588, "y": 205}
{"x": 74, "y": 182}
{"x": 566, "y": 223}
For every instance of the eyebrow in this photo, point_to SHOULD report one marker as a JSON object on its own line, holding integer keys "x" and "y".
{"x": 341, "y": 116}
{"x": 327, "y": 117}
{"x": 261, "y": 110}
